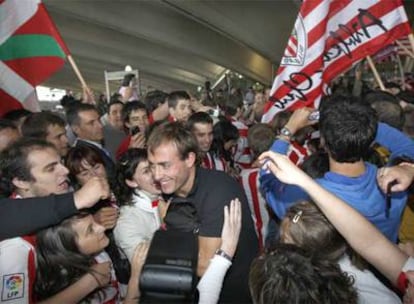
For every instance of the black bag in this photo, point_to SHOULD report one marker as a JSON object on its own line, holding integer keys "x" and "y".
{"x": 170, "y": 269}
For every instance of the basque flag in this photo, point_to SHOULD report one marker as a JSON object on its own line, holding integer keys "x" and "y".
{"x": 31, "y": 50}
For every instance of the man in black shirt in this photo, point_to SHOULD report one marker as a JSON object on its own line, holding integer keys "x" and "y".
{"x": 172, "y": 153}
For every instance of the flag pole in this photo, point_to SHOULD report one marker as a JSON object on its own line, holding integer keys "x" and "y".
{"x": 411, "y": 39}
{"x": 375, "y": 72}
{"x": 80, "y": 77}
{"x": 405, "y": 49}
{"x": 400, "y": 67}
{"x": 76, "y": 70}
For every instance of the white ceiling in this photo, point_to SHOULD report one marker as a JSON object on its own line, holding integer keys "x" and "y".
{"x": 176, "y": 44}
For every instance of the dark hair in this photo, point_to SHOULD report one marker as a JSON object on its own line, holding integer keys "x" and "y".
{"x": 198, "y": 117}
{"x": 115, "y": 97}
{"x": 224, "y": 131}
{"x": 114, "y": 102}
{"x": 316, "y": 164}
{"x": 289, "y": 274}
{"x": 75, "y": 156}
{"x": 59, "y": 261}
{"x": 232, "y": 104}
{"x": 36, "y": 124}
{"x": 375, "y": 96}
{"x": 125, "y": 169}
{"x": 175, "y": 96}
{"x": 16, "y": 115}
{"x": 131, "y": 106}
{"x": 175, "y": 133}
{"x": 260, "y": 138}
{"x": 348, "y": 127}
{"x": 389, "y": 113}
{"x": 72, "y": 115}
{"x": 14, "y": 162}
{"x": 7, "y": 124}
{"x": 154, "y": 98}
{"x": 127, "y": 79}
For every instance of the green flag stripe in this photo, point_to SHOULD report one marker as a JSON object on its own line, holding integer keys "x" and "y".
{"x": 26, "y": 46}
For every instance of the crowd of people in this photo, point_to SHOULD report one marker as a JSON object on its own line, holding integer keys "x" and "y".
{"x": 300, "y": 210}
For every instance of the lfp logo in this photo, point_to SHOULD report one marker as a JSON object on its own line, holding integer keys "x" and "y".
{"x": 13, "y": 286}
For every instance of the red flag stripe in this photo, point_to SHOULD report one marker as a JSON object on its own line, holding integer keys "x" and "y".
{"x": 256, "y": 206}
{"x": 319, "y": 30}
{"x": 309, "y": 6}
{"x": 8, "y": 103}
{"x": 337, "y": 6}
{"x": 28, "y": 68}
{"x": 361, "y": 52}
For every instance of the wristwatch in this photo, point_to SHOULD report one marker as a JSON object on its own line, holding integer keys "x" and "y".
{"x": 286, "y": 132}
{"x": 222, "y": 253}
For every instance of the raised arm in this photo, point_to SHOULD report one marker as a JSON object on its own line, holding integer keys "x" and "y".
{"x": 359, "y": 232}
{"x": 210, "y": 284}
{"x": 26, "y": 216}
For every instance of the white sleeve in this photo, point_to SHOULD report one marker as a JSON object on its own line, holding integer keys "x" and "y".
{"x": 409, "y": 265}
{"x": 14, "y": 280}
{"x": 209, "y": 287}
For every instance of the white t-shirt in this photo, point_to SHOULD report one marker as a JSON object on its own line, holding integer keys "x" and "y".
{"x": 370, "y": 289}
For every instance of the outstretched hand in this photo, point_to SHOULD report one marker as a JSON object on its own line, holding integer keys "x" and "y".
{"x": 138, "y": 259}
{"x": 281, "y": 166}
{"x": 300, "y": 119}
{"x": 231, "y": 227}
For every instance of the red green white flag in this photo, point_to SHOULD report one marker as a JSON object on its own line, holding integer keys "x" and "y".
{"x": 31, "y": 50}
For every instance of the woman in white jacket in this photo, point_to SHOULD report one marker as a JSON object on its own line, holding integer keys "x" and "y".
{"x": 140, "y": 201}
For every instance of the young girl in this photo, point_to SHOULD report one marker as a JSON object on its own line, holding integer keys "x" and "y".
{"x": 68, "y": 251}
{"x": 138, "y": 195}
{"x": 305, "y": 226}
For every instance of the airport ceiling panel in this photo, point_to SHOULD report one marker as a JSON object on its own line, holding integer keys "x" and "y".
{"x": 161, "y": 39}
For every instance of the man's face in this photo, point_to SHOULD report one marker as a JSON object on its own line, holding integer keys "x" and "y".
{"x": 138, "y": 118}
{"x": 173, "y": 174}
{"x": 204, "y": 135}
{"x": 7, "y": 137}
{"x": 115, "y": 117}
{"x": 182, "y": 111}
{"x": 49, "y": 174}
{"x": 259, "y": 98}
{"x": 56, "y": 135}
{"x": 90, "y": 127}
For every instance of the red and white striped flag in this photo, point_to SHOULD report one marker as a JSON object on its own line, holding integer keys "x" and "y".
{"x": 31, "y": 50}
{"x": 328, "y": 37}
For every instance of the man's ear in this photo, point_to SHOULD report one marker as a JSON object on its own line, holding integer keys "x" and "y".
{"x": 75, "y": 129}
{"x": 20, "y": 184}
{"x": 131, "y": 183}
{"x": 190, "y": 160}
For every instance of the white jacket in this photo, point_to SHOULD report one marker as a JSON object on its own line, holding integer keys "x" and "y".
{"x": 136, "y": 223}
